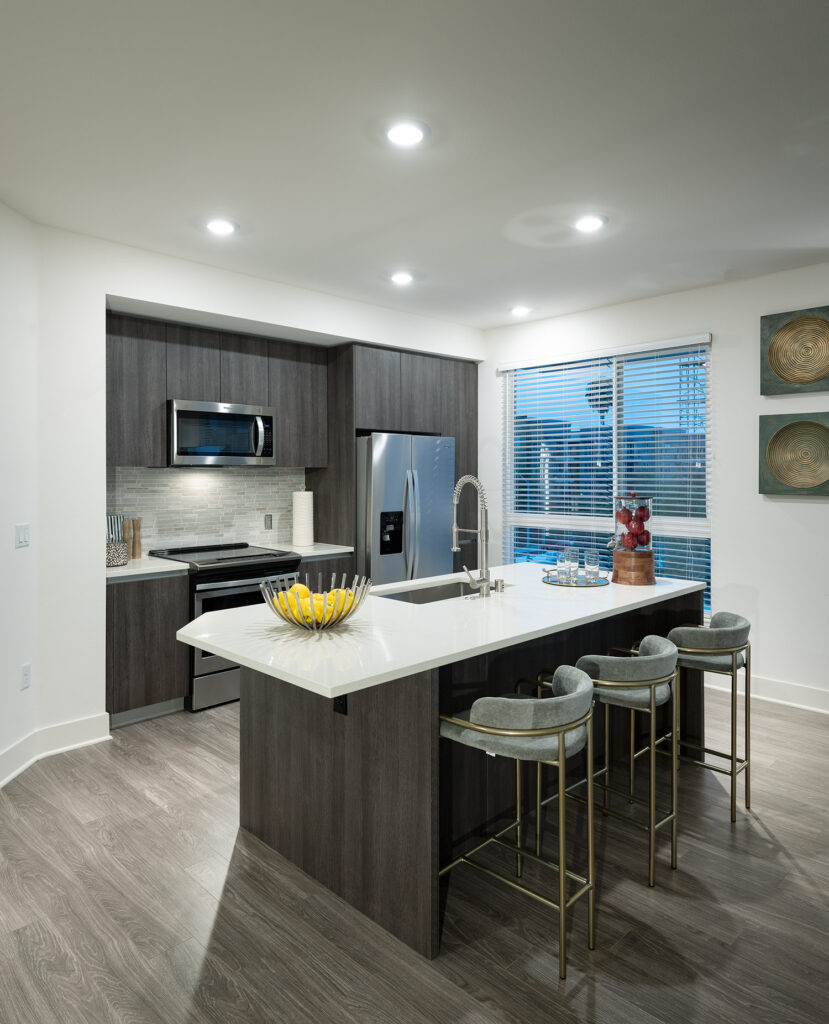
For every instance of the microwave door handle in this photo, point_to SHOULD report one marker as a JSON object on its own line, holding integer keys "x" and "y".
{"x": 260, "y": 431}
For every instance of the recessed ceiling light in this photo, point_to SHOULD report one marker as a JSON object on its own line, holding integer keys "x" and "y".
{"x": 589, "y": 223}
{"x": 406, "y": 134}
{"x": 520, "y": 310}
{"x": 220, "y": 226}
{"x": 402, "y": 278}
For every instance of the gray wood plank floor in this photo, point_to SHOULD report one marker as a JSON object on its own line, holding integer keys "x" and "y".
{"x": 128, "y": 894}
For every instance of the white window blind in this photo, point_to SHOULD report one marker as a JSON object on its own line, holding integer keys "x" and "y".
{"x": 578, "y": 433}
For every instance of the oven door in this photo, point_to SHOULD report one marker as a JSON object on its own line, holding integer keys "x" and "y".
{"x": 217, "y": 597}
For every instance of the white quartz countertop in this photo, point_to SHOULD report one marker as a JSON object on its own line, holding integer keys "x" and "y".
{"x": 389, "y": 639}
{"x": 315, "y": 552}
{"x": 147, "y": 566}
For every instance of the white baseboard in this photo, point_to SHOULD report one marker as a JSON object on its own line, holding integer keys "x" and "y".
{"x": 52, "y": 740}
{"x": 797, "y": 695}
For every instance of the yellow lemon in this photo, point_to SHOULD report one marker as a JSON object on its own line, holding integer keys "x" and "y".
{"x": 300, "y": 590}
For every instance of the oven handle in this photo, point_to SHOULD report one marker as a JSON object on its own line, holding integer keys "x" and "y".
{"x": 233, "y": 586}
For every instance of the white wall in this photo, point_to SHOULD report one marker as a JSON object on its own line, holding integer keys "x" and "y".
{"x": 18, "y": 481}
{"x": 65, "y": 477}
{"x": 770, "y": 555}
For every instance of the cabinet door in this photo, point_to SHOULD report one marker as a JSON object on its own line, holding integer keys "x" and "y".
{"x": 136, "y": 376}
{"x": 298, "y": 390}
{"x": 193, "y": 363}
{"x": 145, "y": 662}
{"x": 420, "y": 392}
{"x": 376, "y": 388}
{"x": 459, "y": 419}
{"x": 244, "y": 375}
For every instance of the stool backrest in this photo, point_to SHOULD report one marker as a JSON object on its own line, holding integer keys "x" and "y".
{"x": 573, "y": 696}
{"x": 726, "y": 632}
{"x": 656, "y": 659}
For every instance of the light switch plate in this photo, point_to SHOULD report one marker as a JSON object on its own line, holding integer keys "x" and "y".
{"x": 22, "y": 535}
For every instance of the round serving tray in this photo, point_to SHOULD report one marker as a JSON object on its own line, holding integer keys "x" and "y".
{"x": 579, "y": 583}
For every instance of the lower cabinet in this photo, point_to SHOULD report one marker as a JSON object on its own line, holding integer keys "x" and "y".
{"x": 145, "y": 664}
{"x": 320, "y": 570}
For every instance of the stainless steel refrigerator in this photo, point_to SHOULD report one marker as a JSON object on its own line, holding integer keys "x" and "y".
{"x": 405, "y": 484}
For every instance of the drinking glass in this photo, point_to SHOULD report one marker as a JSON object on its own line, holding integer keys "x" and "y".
{"x": 572, "y": 556}
{"x": 562, "y": 567}
{"x": 591, "y": 565}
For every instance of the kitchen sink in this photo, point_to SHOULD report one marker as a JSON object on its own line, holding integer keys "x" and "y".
{"x": 438, "y": 592}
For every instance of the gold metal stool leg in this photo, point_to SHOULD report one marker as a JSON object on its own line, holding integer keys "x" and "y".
{"x": 652, "y": 794}
{"x": 674, "y": 764}
{"x": 734, "y": 736}
{"x": 591, "y": 860}
{"x": 562, "y": 860}
{"x": 606, "y": 756}
{"x": 538, "y": 781}
{"x": 632, "y": 766}
{"x": 748, "y": 726}
{"x": 519, "y": 860}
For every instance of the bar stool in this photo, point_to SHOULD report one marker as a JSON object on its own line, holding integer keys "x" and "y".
{"x": 643, "y": 682}
{"x": 546, "y": 730}
{"x": 722, "y": 647}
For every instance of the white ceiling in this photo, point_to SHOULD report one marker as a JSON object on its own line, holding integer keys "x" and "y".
{"x": 699, "y": 127}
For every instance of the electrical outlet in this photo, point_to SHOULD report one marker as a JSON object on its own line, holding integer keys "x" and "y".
{"x": 22, "y": 535}
{"x": 269, "y": 522}
{"x": 26, "y": 676}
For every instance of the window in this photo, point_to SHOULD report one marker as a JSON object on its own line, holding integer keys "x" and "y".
{"x": 578, "y": 433}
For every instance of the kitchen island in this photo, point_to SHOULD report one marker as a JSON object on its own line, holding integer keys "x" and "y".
{"x": 340, "y": 768}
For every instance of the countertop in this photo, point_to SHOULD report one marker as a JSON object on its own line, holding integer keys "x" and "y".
{"x": 315, "y": 552}
{"x": 389, "y": 639}
{"x": 148, "y": 566}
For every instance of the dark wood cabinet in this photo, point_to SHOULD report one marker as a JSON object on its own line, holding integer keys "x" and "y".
{"x": 421, "y": 384}
{"x": 193, "y": 363}
{"x": 244, "y": 370}
{"x": 459, "y": 419}
{"x": 144, "y": 661}
{"x": 136, "y": 384}
{"x": 376, "y": 388}
{"x": 324, "y": 567}
{"x": 298, "y": 390}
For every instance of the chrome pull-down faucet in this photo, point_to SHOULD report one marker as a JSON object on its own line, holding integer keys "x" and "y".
{"x": 483, "y": 581}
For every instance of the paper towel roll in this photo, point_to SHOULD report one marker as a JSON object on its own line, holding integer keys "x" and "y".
{"x": 303, "y": 535}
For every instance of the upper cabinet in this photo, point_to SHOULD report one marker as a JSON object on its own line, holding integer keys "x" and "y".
{"x": 298, "y": 391}
{"x": 376, "y": 389}
{"x": 244, "y": 370}
{"x": 149, "y": 362}
{"x": 136, "y": 392}
{"x": 421, "y": 384}
{"x": 193, "y": 363}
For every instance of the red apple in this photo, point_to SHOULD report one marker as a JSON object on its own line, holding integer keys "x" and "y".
{"x": 628, "y": 541}
{"x": 624, "y": 515}
{"x": 643, "y": 513}
{"x": 644, "y": 538}
{"x": 635, "y": 526}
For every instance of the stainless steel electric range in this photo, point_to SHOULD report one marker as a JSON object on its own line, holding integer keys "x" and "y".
{"x": 224, "y": 576}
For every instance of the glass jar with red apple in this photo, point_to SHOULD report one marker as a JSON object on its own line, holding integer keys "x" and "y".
{"x": 633, "y": 522}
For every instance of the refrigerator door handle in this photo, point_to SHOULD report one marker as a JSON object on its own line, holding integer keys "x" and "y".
{"x": 408, "y": 501}
{"x": 416, "y": 531}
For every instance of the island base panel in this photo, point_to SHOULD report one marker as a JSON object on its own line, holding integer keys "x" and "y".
{"x": 351, "y": 799}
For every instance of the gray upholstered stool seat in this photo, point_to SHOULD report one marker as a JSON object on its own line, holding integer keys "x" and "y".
{"x": 546, "y": 730}
{"x": 722, "y": 647}
{"x": 640, "y": 683}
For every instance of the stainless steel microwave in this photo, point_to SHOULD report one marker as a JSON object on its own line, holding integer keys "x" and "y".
{"x": 220, "y": 434}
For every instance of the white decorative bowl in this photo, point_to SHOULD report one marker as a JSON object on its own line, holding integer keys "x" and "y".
{"x": 289, "y": 600}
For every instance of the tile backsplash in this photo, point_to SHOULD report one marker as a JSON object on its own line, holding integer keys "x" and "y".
{"x": 202, "y": 505}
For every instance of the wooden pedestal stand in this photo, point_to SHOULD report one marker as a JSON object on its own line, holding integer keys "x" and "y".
{"x": 634, "y": 568}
